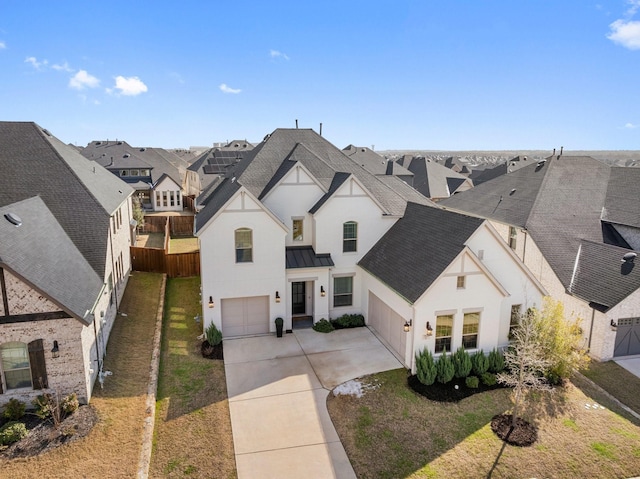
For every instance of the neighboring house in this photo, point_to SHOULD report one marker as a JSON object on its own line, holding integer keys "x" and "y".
{"x": 211, "y": 165}
{"x": 457, "y": 164}
{"x": 434, "y": 180}
{"x": 482, "y": 175}
{"x": 376, "y": 164}
{"x": 64, "y": 263}
{"x": 156, "y": 175}
{"x": 300, "y": 230}
{"x": 572, "y": 220}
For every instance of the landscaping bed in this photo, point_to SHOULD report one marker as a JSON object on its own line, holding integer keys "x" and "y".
{"x": 453, "y": 391}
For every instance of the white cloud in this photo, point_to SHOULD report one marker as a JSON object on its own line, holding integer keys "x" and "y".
{"x": 35, "y": 63}
{"x": 63, "y": 68}
{"x": 82, "y": 80}
{"x": 625, "y": 33}
{"x": 228, "y": 89}
{"x": 276, "y": 54}
{"x": 129, "y": 86}
{"x": 630, "y": 126}
{"x": 3, "y": 45}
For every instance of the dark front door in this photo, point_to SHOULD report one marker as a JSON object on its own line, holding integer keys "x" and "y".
{"x": 298, "y": 298}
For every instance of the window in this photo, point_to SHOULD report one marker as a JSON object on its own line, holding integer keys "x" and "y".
{"x": 158, "y": 202}
{"x": 297, "y": 229}
{"x": 513, "y": 236}
{"x": 244, "y": 245}
{"x": 349, "y": 237}
{"x": 444, "y": 327}
{"x": 470, "y": 325}
{"x": 177, "y": 198}
{"x": 134, "y": 172}
{"x": 515, "y": 318}
{"x": 460, "y": 282}
{"x": 144, "y": 172}
{"x": 124, "y": 172}
{"x": 15, "y": 365}
{"x": 164, "y": 198}
{"x": 172, "y": 198}
{"x": 343, "y": 291}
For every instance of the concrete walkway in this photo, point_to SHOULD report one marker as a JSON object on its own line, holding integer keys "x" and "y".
{"x": 631, "y": 364}
{"x": 278, "y": 389}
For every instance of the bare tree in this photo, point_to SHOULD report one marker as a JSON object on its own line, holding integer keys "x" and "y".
{"x": 526, "y": 364}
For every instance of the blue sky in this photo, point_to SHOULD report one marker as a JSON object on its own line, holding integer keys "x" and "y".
{"x": 457, "y": 75}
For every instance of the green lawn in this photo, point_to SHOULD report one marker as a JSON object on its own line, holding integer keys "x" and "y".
{"x": 617, "y": 381}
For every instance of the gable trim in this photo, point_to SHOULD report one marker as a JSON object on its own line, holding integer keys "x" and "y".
{"x": 350, "y": 180}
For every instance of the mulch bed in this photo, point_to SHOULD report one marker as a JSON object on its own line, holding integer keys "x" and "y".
{"x": 43, "y": 436}
{"x": 211, "y": 352}
{"x": 453, "y": 391}
{"x": 523, "y": 434}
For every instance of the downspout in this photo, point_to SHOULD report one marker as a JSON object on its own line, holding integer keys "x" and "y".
{"x": 524, "y": 246}
{"x": 593, "y": 314}
{"x": 113, "y": 266}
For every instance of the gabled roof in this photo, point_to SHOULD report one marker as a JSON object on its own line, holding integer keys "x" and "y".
{"x": 418, "y": 248}
{"x": 432, "y": 179}
{"x": 602, "y": 277}
{"x": 218, "y": 161}
{"x": 558, "y": 201}
{"x": 338, "y": 180}
{"x": 306, "y": 257}
{"x": 375, "y": 163}
{"x": 622, "y": 204}
{"x": 40, "y": 252}
{"x": 514, "y": 164}
{"x": 81, "y": 194}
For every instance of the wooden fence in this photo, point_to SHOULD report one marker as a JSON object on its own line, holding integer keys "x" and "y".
{"x": 156, "y": 260}
{"x": 178, "y": 225}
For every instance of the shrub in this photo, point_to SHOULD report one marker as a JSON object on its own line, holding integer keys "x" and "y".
{"x": 480, "y": 363}
{"x": 348, "y": 321}
{"x": 461, "y": 363}
{"x": 14, "y": 409}
{"x": 472, "y": 382}
{"x": 42, "y": 405}
{"x": 489, "y": 379}
{"x": 425, "y": 367}
{"x": 323, "y": 326}
{"x": 12, "y": 432}
{"x": 213, "y": 335}
{"x": 496, "y": 361}
{"x": 70, "y": 403}
{"x": 445, "y": 368}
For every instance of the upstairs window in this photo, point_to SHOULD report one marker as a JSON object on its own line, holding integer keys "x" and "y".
{"x": 124, "y": 173}
{"x": 349, "y": 237}
{"x": 516, "y": 309}
{"x": 460, "y": 282}
{"x": 244, "y": 245}
{"x": 134, "y": 173}
{"x": 298, "y": 229}
{"x": 513, "y": 236}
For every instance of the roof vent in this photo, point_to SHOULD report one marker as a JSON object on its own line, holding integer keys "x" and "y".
{"x": 119, "y": 143}
{"x": 142, "y": 149}
{"x": 627, "y": 258}
{"x": 542, "y": 162}
{"x": 126, "y": 155}
{"x": 14, "y": 219}
{"x": 98, "y": 143}
{"x": 512, "y": 191}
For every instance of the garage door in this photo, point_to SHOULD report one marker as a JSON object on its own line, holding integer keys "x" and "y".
{"x": 245, "y": 316}
{"x": 388, "y": 324}
{"x": 627, "y": 337}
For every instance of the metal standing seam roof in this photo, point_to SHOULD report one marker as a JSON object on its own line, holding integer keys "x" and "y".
{"x": 28, "y": 250}
{"x": 306, "y": 257}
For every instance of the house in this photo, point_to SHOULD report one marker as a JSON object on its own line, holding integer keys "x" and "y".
{"x": 573, "y": 220}
{"x": 65, "y": 229}
{"x": 300, "y": 230}
{"x": 377, "y": 164}
{"x": 156, "y": 174}
{"x": 481, "y": 175}
{"x": 434, "y": 180}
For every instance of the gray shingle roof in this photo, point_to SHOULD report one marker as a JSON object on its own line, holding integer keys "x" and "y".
{"x": 602, "y": 277}
{"x": 306, "y": 257}
{"x": 622, "y": 204}
{"x": 373, "y": 162}
{"x": 432, "y": 179}
{"x": 418, "y": 248}
{"x": 41, "y": 252}
{"x": 81, "y": 194}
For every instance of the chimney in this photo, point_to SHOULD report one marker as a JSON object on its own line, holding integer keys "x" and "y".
{"x": 320, "y": 129}
{"x": 554, "y": 152}
{"x": 561, "y": 148}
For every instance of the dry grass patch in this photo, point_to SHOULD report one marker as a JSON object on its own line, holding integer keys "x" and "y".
{"x": 183, "y": 244}
{"x": 617, "y": 381}
{"x": 112, "y": 448}
{"x": 193, "y": 427}
{"x": 150, "y": 240}
{"x": 392, "y": 432}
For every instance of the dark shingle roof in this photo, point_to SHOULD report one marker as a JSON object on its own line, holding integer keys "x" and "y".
{"x": 622, "y": 204}
{"x": 373, "y": 162}
{"x": 432, "y": 179}
{"x": 306, "y": 257}
{"x": 602, "y": 277}
{"x": 41, "y": 252}
{"x": 418, "y": 248}
{"x": 81, "y": 194}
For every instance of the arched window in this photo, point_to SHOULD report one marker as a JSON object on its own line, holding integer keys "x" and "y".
{"x": 244, "y": 245}
{"x": 349, "y": 237}
{"x": 14, "y": 361}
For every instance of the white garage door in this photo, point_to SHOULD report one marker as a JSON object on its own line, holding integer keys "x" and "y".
{"x": 245, "y": 316}
{"x": 388, "y": 324}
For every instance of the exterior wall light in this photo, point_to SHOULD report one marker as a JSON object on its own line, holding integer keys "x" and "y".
{"x": 407, "y": 325}
{"x": 277, "y": 297}
{"x": 614, "y": 325}
{"x": 55, "y": 351}
{"x": 429, "y": 329}
{"x": 323, "y": 293}
{"x": 211, "y": 301}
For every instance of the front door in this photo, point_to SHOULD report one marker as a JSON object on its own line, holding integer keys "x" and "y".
{"x": 298, "y": 305}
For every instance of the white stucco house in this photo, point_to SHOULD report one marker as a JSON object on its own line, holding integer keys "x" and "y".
{"x": 64, "y": 263}
{"x": 299, "y": 230}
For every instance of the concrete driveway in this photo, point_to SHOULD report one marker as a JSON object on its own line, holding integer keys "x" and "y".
{"x": 278, "y": 389}
{"x": 631, "y": 364}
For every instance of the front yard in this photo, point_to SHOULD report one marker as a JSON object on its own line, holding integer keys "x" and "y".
{"x": 391, "y": 432}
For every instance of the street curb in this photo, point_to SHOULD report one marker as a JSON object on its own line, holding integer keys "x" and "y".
{"x": 147, "y": 432}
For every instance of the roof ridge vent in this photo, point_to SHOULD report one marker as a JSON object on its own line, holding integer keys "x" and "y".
{"x": 627, "y": 258}
{"x": 14, "y": 219}
{"x": 542, "y": 162}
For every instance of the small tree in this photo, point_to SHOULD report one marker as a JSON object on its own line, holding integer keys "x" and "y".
{"x": 426, "y": 367}
{"x": 138, "y": 213}
{"x": 445, "y": 369}
{"x": 461, "y": 362}
{"x": 496, "y": 361}
{"x": 480, "y": 363}
{"x": 526, "y": 364}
